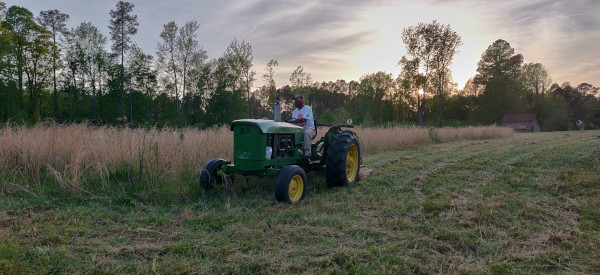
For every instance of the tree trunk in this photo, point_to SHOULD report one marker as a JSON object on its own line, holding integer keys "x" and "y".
{"x": 149, "y": 105}
{"x": 1, "y": 85}
{"x": 74, "y": 91}
{"x": 420, "y": 110}
{"x": 441, "y": 110}
{"x": 183, "y": 92}
{"x": 122, "y": 70}
{"x": 121, "y": 89}
{"x": 441, "y": 107}
{"x": 249, "y": 107}
{"x": 7, "y": 106}
{"x": 175, "y": 81}
{"x": 20, "y": 78}
{"x": 93, "y": 98}
{"x": 131, "y": 107}
{"x": 55, "y": 94}
{"x": 31, "y": 92}
{"x": 100, "y": 94}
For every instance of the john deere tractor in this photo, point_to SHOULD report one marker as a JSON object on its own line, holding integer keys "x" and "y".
{"x": 274, "y": 148}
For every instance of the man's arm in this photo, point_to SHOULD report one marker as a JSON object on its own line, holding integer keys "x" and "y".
{"x": 299, "y": 120}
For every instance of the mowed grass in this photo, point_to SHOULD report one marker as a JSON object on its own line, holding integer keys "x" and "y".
{"x": 527, "y": 203}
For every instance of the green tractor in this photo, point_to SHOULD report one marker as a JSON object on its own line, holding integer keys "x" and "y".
{"x": 274, "y": 148}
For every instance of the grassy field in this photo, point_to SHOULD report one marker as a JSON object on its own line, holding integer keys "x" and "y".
{"x": 527, "y": 203}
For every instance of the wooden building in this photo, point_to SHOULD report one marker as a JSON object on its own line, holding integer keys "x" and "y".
{"x": 524, "y": 123}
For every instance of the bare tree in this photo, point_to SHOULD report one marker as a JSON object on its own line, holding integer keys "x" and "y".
{"x": 88, "y": 44}
{"x": 178, "y": 52}
{"x": 414, "y": 82}
{"x": 166, "y": 52}
{"x": 434, "y": 45}
{"x": 198, "y": 76}
{"x": 2, "y": 10}
{"x": 239, "y": 58}
{"x": 300, "y": 78}
{"x": 122, "y": 26}
{"x": 269, "y": 87}
{"x": 144, "y": 78}
{"x": 187, "y": 46}
{"x": 4, "y": 50}
{"x": 55, "y": 21}
{"x": 270, "y": 72}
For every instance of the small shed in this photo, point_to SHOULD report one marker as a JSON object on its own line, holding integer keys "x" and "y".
{"x": 524, "y": 123}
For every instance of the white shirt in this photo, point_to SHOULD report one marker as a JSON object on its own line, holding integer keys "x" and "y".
{"x": 305, "y": 112}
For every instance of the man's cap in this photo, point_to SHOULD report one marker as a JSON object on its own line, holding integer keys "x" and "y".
{"x": 298, "y": 97}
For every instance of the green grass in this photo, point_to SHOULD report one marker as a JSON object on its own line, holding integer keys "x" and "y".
{"x": 529, "y": 203}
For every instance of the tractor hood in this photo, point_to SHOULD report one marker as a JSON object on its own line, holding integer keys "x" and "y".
{"x": 268, "y": 126}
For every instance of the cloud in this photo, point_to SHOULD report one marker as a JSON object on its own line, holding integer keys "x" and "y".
{"x": 562, "y": 35}
{"x": 313, "y": 34}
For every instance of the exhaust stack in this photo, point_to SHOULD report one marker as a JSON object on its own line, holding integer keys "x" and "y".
{"x": 277, "y": 110}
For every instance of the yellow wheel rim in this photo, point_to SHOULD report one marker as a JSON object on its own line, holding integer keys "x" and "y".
{"x": 296, "y": 188}
{"x": 352, "y": 162}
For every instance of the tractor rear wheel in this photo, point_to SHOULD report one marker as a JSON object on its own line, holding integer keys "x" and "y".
{"x": 343, "y": 159}
{"x": 291, "y": 184}
{"x": 209, "y": 176}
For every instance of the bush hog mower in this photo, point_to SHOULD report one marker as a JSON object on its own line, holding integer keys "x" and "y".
{"x": 274, "y": 148}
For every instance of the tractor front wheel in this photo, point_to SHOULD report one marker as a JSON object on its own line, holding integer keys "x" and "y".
{"x": 209, "y": 176}
{"x": 343, "y": 159}
{"x": 291, "y": 184}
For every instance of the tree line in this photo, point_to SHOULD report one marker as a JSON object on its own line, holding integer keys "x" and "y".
{"x": 48, "y": 71}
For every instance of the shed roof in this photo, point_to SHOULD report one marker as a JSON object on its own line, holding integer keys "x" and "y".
{"x": 509, "y": 119}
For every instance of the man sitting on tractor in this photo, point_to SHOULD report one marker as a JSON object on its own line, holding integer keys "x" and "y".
{"x": 303, "y": 116}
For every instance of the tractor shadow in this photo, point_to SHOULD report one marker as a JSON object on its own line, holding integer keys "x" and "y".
{"x": 263, "y": 188}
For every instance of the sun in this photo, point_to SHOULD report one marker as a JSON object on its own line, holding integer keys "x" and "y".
{"x": 385, "y": 47}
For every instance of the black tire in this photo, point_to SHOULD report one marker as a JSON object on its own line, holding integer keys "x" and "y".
{"x": 208, "y": 175}
{"x": 291, "y": 184}
{"x": 342, "y": 163}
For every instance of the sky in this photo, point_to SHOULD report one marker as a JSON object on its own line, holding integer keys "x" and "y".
{"x": 346, "y": 39}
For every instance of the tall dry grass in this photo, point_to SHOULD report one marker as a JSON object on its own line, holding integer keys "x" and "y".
{"x": 401, "y": 137}
{"x": 76, "y": 153}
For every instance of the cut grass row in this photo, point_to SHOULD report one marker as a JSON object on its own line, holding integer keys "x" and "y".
{"x": 524, "y": 204}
